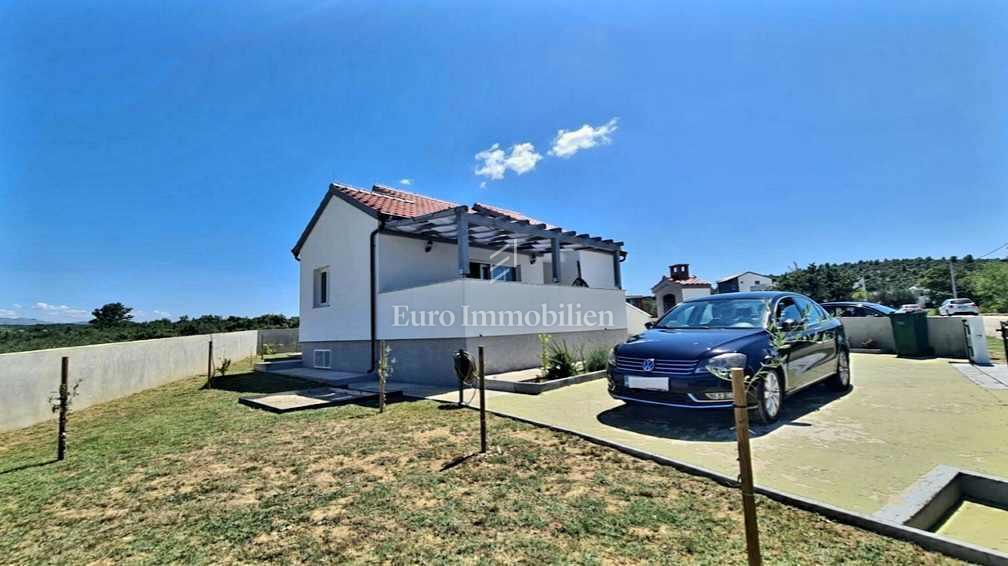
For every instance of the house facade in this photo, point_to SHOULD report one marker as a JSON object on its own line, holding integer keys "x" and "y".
{"x": 430, "y": 276}
{"x": 745, "y": 282}
{"x": 678, "y": 286}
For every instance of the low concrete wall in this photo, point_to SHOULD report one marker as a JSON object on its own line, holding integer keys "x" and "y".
{"x": 870, "y": 332}
{"x": 636, "y": 318}
{"x": 945, "y": 334}
{"x": 106, "y": 371}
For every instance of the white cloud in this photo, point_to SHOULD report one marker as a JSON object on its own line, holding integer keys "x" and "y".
{"x": 406, "y": 181}
{"x": 567, "y": 143}
{"x": 60, "y": 311}
{"x": 7, "y": 313}
{"x": 17, "y": 306}
{"x": 496, "y": 161}
{"x": 163, "y": 314}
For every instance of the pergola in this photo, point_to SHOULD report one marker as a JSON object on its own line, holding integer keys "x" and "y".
{"x": 482, "y": 226}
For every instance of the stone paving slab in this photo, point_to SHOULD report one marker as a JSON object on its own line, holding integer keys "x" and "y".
{"x": 988, "y": 377}
{"x": 305, "y": 399}
{"x": 319, "y": 397}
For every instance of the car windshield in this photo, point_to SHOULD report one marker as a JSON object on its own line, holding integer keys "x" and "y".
{"x": 882, "y": 308}
{"x": 722, "y": 313}
{"x": 961, "y": 301}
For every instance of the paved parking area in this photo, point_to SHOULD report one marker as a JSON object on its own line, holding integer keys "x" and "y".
{"x": 857, "y": 451}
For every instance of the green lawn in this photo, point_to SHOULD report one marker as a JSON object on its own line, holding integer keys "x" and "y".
{"x": 995, "y": 347}
{"x": 179, "y": 474}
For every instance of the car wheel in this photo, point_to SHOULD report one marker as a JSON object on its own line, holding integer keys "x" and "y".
{"x": 769, "y": 397}
{"x": 840, "y": 381}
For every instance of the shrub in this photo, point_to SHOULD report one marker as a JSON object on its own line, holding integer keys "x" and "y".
{"x": 597, "y": 360}
{"x": 560, "y": 363}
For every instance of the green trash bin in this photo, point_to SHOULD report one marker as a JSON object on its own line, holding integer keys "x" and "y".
{"x": 910, "y": 332}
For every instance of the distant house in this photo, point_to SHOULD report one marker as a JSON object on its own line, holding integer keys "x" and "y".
{"x": 678, "y": 286}
{"x": 745, "y": 282}
{"x": 430, "y": 276}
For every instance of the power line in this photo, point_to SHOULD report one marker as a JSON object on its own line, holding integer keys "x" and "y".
{"x": 994, "y": 250}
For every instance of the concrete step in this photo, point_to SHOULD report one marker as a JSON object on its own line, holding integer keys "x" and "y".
{"x": 269, "y": 366}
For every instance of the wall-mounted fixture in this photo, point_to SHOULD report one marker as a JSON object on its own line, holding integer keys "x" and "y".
{"x": 428, "y": 246}
{"x": 532, "y": 260}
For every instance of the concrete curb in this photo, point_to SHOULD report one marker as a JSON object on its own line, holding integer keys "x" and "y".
{"x": 924, "y": 539}
{"x": 529, "y": 388}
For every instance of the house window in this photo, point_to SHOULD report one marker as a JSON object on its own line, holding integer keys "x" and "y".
{"x": 323, "y": 359}
{"x": 321, "y": 287}
{"x": 479, "y": 270}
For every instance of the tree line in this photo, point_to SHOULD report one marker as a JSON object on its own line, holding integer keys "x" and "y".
{"x": 890, "y": 281}
{"x": 113, "y": 322}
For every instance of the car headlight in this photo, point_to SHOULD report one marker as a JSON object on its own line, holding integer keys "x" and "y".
{"x": 612, "y": 356}
{"x": 721, "y": 364}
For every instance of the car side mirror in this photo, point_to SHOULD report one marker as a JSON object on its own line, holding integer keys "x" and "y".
{"x": 789, "y": 324}
{"x": 649, "y": 325}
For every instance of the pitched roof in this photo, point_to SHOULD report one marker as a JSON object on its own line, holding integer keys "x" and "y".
{"x": 397, "y": 206}
{"x": 394, "y": 202}
{"x": 691, "y": 281}
{"x": 740, "y": 274}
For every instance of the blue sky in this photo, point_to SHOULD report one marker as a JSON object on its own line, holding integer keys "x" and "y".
{"x": 169, "y": 155}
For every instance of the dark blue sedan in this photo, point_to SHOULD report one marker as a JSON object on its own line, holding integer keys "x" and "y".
{"x": 677, "y": 361}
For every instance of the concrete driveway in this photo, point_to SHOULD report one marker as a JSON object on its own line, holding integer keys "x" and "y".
{"x": 857, "y": 451}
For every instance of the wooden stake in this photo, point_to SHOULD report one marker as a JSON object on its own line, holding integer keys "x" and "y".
{"x": 482, "y": 393}
{"x": 381, "y": 378}
{"x": 745, "y": 465}
{"x": 209, "y": 365}
{"x": 63, "y": 395}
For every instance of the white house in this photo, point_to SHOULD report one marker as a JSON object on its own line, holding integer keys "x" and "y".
{"x": 678, "y": 286}
{"x": 745, "y": 282}
{"x": 431, "y": 276}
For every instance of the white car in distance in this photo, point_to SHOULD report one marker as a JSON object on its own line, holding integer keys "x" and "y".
{"x": 958, "y": 306}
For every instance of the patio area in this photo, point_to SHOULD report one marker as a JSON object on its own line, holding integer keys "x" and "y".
{"x": 857, "y": 451}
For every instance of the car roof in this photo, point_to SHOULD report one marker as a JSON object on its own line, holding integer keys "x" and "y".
{"x": 746, "y": 295}
{"x": 852, "y": 303}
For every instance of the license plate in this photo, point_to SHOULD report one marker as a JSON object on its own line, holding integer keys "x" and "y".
{"x": 649, "y": 383}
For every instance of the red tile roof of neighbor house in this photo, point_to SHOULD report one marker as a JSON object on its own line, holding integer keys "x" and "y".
{"x": 692, "y": 281}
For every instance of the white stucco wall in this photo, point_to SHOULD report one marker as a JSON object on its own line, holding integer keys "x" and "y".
{"x": 636, "y": 319}
{"x": 403, "y": 263}
{"x": 477, "y": 295}
{"x": 596, "y": 268}
{"x": 340, "y": 240}
{"x": 695, "y": 292}
{"x": 747, "y": 282}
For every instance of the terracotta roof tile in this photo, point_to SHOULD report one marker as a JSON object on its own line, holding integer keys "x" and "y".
{"x": 511, "y": 214}
{"x": 394, "y": 202}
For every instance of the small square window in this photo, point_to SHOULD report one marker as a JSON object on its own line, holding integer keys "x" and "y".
{"x": 322, "y": 359}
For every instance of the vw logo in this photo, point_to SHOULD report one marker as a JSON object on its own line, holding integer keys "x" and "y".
{"x": 648, "y": 364}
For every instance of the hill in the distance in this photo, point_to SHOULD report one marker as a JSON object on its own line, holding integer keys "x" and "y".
{"x": 20, "y": 321}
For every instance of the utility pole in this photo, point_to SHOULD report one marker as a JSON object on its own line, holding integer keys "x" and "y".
{"x": 955, "y": 295}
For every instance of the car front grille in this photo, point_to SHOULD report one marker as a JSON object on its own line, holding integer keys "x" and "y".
{"x": 661, "y": 366}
